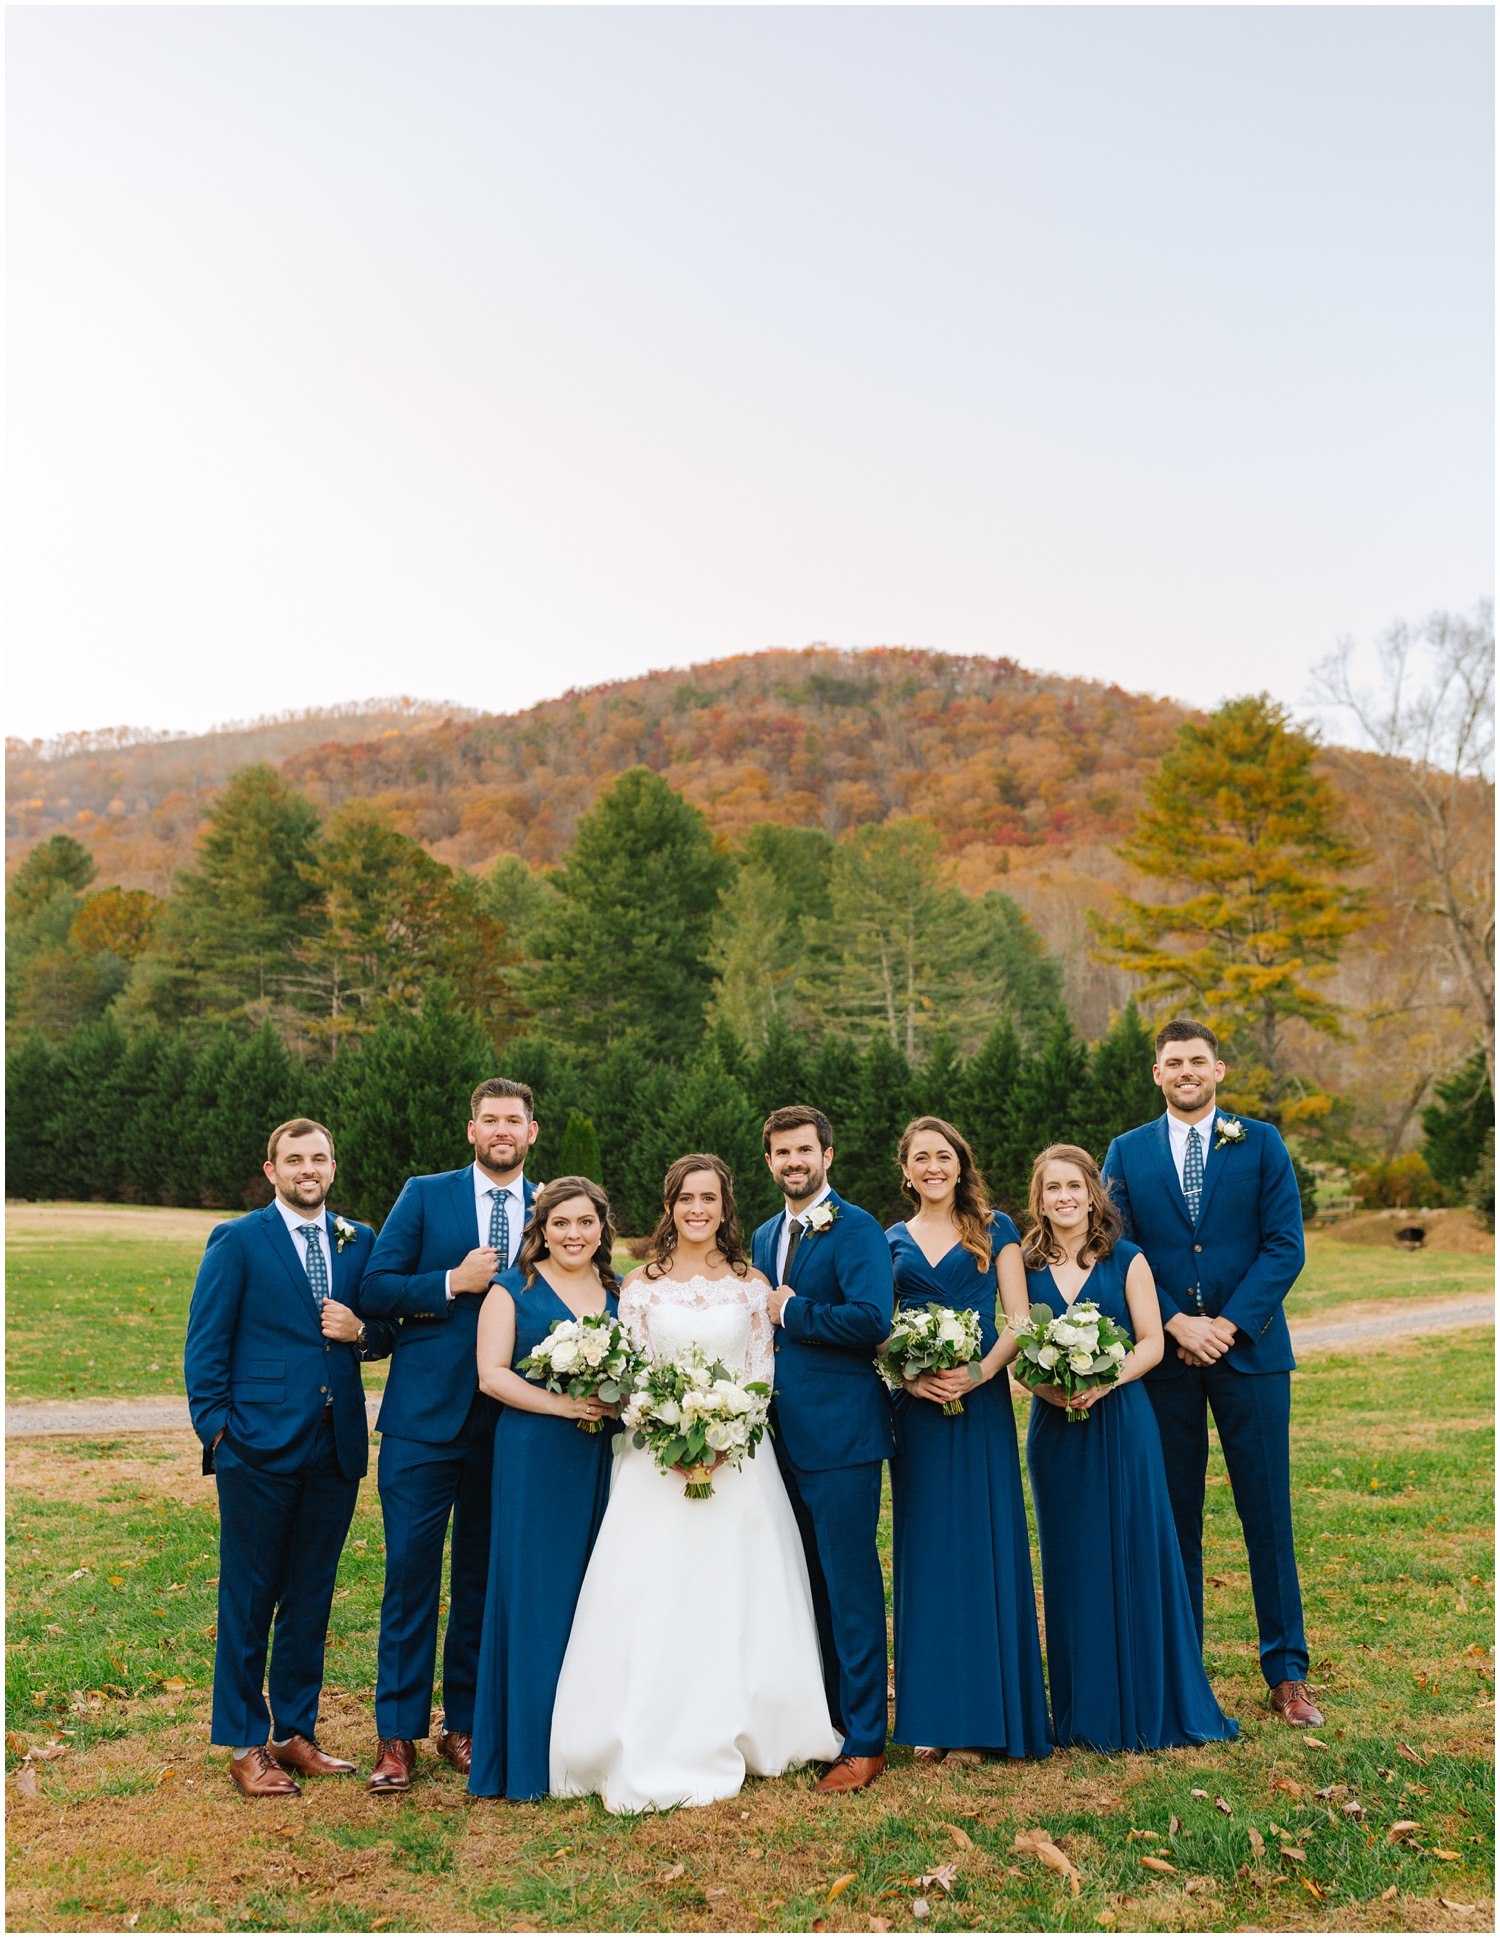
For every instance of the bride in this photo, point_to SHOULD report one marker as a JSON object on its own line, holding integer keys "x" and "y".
{"x": 693, "y": 1658}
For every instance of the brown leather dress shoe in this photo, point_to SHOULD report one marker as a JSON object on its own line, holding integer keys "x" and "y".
{"x": 301, "y": 1753}
{"x": 259, "y": 1774}
{"x": 849, "y": 1773}
{"x": 456, "y": 1746}
{"x": 1293, "y": 1705}
{"x": 393, "y": 1767}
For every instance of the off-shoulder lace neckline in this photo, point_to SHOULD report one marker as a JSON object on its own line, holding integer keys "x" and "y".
{"x": 699, "y": 1280}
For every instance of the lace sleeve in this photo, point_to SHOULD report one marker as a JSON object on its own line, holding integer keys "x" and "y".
{"x": 761, "y": 1358}
{"x": 634, "y": 1302}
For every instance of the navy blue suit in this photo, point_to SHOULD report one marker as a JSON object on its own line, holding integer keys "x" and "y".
{"x": 1237, "y": 1262}
{"x": 291, "y": 1407}
{"x": 832, "y": 1422}
{"x": 437, "y": 1443}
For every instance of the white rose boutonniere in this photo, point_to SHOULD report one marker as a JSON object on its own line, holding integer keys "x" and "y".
{"x": 344, "y": 1232}
{"x": 821, "y": 1216}
{"x": 1228, "y": 1130}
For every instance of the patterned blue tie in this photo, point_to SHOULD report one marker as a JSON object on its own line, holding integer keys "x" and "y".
{"x": 1192, "y": 1172}
{"x": 500, "y": 1225}
{"x": 317, "y": 1264}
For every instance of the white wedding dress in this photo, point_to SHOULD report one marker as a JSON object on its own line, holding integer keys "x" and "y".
{"x": 693, "y": 1658}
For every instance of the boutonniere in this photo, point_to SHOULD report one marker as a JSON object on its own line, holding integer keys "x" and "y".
{"x": 821, "y": 1216}
{"x": 344, "y": 1232}
{"x": 1228, "y": 1130}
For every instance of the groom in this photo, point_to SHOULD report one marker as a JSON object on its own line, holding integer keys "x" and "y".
{"x": 1213, "y": 1202}
{"x": 830, "y": 1268}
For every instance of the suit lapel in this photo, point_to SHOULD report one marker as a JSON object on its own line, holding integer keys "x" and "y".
{"x": 284, "y": 1246}
{"x": 343, "y": 1262}
{"x": 465, "y": 1217}
{"x": 808, "y": 1240}
{"x": 1213, "y": 1163}
{"x": 1161, "y": 1144}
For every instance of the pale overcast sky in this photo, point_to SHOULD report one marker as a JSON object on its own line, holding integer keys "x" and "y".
{"x": 479, "y": 353}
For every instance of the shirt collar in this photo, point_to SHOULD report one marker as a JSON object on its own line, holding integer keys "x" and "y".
{"x": 483, "y": 1187}
{"x": 826, "y": 1192}
{"x": 296, "y": 1218}
{"x": 1179, "y": 1129}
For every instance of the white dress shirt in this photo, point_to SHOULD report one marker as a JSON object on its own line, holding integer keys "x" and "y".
{"x": 295, "y": 1216}
{"x": 1179, "y": 1133}
{"x": 786, "y": 1236}
{"x": 515, "y": 1212}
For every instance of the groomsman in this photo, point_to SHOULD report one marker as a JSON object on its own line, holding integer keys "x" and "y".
{"x": 447, "y": 1237}
{"x": 274, "y": 1341}
{"x": 830, "y": 1267}
{"x": 1213, "y": 1202}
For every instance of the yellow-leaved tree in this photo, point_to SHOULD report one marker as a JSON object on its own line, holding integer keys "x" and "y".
{"x": 1247, "y": 840}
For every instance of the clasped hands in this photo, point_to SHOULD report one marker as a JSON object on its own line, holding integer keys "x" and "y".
{"x": 1201, "y": 1341}
{"x": 954, "y": 1384}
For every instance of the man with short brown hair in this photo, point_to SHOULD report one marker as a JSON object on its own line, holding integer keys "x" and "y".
{"x": 447, "y": 1238}
{"x": 274, "y": 1342}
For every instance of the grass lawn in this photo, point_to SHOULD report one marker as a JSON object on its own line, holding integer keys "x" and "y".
{"x": 111, "y": 1609}
{"x": 1337, "y": 1274}
{"x": 97, "y": 1300}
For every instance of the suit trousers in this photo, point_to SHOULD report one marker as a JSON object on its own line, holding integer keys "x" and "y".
{"x": 838, "y": 1516}
{"x": 421, "y": 1486}
{"x": 1253, "y": 1415}
{"x": 280, "y": 1538}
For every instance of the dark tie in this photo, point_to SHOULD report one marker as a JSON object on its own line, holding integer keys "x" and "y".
{"x": 317, "y": 1264}
{"x": 500, "y": 1225}
{"x": 1192, "y": 1173}
{"x": 795, "y": 1229}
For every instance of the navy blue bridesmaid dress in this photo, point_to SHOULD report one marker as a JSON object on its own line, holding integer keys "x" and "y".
{"x": 968, "y": 1660}
{"x": 551, "y": 1484}
{"x": 1123, "y": 1658}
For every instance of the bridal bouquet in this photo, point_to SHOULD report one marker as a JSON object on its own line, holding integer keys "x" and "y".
{"x": 1075, "y": 1350}
{"x": 934, "y": 1340}
{"x": 587, "y": 1358}
{"x": 689, "y": 1410}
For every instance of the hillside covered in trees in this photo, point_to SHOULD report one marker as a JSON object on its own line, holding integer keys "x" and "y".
{"x": 894, "y": 851}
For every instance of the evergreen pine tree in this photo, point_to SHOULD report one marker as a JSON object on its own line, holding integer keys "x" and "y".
{"x": 708, "y": 1111}
{"x": 53, "y": 866}
{"x": 579, "y": 1156}
{"x": 90, "y": 1058}
{"x": 262, "y": 1089}
{"x": 866, "y": 1171}
{"x": 1454, "y": 1126}
{"x": 131, "y": 1082}
{"x": 33, "y": 1140}
{"x": 1051, "y": 1106}
{"x": 196, "y": 1173}
{"x": 625, "y": 947}
{"x": 398, "y": 1107}
{"x": 156, "y": 1170}
{"x": 984, "y": 1107}
{"x": 940, "y": 1079}
{"x": 1122, "y": 1091}
{"x": 778, "y": 1073}
{"x": 555, "y": 1072}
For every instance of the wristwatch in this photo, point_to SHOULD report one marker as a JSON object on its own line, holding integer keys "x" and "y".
{"x": 360, "y": 1337}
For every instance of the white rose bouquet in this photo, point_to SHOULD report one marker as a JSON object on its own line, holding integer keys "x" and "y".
{"x": 933, "y": 1340}
{"x": 587, "y": 1358}
{"x": 1076, "y": 1350}
{"x": 694, "y": 1415}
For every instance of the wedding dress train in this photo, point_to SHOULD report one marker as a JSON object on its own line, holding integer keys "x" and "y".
{"x": 693, "y": 1658}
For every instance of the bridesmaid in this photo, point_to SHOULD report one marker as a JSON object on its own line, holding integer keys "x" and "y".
{"x": 1123, "y": 1657}
{"x": 968, "y": 1661}
{"x": 551, "y": 1482}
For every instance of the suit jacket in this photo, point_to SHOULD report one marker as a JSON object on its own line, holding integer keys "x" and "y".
{"x": 434, "y": 1366}
{"x": 832, "y": 1409}
{"x": 256, "y": 1362}
{"x": 1245, "y": 1251}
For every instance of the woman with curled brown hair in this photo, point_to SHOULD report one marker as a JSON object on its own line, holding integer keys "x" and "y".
{"x": 548, "y": 1486}
{"x": 1123, "y": 1654}
{"x": 655, "y": 1708}
{"x": 961, "y": 1570}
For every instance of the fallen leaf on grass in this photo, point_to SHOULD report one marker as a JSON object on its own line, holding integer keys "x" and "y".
{"x": 1038, "y": 1843}
{"x": 1316, "y": 1742}
{"x": 1219, "y": 1804}
{"x": 1308, "y": 1885}
{"x": 1353, "y": 1808}
{"x": 718, "y": 1891}
{"x": 26, "y": 1780}
{"x": 1174, "y": 1824}
{"x": 1159, "y": 1864}
{"x": 1199, "y": 1793}
{"x": 1402, "y": 1827}
{"x": 756, "y": 1851}
{"x": 175, "y": 1684}
{"x": 1257, "y": 1842}
{"x": 1151, "y": 1836}
{"x": 163, "y": 1776}
{"x": 1477, "y": 1649}
{"x": 1387, "y": 1894}
{"x": 1449, "y": 1905}
{"x": 1409, "y": 1753}
{"x": 880, "y": 1924}
{"x": 1107, "y": 1919}
{"x": 839, "y": 1886}
{"x": 1449, "y": 1857}
{"x": 944, "y": 1877}
{"x": 920, "y": 1907}
{"x": 1295, "y": 1852}
{"x": 1332, "y": 1790}
{"x": 1291, "y": 1786}
{"x": 671, "y": 1877}
{"x": 960, "y": 1837}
